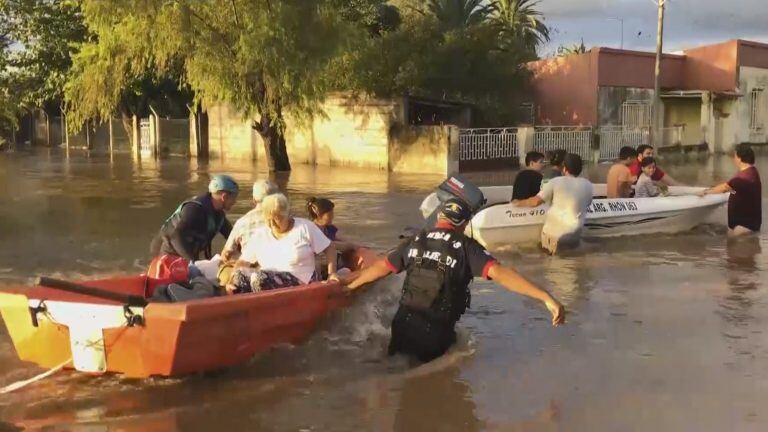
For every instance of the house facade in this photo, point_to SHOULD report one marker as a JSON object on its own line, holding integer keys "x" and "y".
{"x": 715, "y": 95}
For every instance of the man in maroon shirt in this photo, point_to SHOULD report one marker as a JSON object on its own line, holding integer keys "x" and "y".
{"x": 644, "y": 151}
{"x": 745, "y": 206}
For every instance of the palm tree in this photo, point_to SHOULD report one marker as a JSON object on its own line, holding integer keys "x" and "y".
{"x": 564, "y": 50}
{"x": 458, "y": 14}
{"x": 521, "y": 21}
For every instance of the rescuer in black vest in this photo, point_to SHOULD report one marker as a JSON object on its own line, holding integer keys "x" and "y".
{"x": 440, "y": 263}
{"x": 189, "y": 231}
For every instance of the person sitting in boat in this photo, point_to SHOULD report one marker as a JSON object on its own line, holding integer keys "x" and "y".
{"x": 189, "y": 231}
{"x": 620, "y": 180}
{"x": 555, "y": 169}
{"x": 528, "y": 181}
{"x": 440, "y": 263}
{"x": 243, "y": 230}
{"x": 745, "y": 203}
{"x": 644, "y": 151}
{"x": 282, "y": 253}
{"x": 321, "y": 212}
{"x": 569, "y": 197}
{"x": 646, "y": 187}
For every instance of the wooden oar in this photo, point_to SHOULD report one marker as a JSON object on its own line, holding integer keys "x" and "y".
{"x": 130, "y": 300}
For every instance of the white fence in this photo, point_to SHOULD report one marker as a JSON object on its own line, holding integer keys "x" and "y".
{"x": 484, "y": 144}
{"x": 572, "y": 139}
{"x": 613, "y": 138}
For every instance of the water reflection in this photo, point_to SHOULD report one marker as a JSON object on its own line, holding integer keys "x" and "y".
{"x": 450, "y": 406}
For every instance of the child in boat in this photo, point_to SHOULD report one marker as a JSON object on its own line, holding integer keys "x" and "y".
{"x": 320, "y": 212}
{"x": 645, "y": 187}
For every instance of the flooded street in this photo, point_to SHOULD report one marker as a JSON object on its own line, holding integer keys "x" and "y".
{"x": 665, "y": 332}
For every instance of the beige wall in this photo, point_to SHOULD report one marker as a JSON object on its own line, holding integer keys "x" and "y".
{"x": 230, "y": 135}
{"x": 749, "y": 78}
{"x": 685, "y": 112}
{"x": 358, "y": 132}
{"x": 424, "y": 149}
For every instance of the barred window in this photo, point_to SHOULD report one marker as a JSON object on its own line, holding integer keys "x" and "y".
{"x": 757, "y": 109}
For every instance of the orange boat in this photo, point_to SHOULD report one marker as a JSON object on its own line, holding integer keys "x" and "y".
{"x": 50, "y": 327}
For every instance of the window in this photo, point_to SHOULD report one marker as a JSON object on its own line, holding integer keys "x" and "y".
{"x": 757, "y": 109}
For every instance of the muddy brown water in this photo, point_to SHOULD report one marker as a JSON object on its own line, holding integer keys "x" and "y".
{"x": 665, "y": 332}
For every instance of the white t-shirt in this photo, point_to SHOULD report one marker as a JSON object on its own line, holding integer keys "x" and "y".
{"x": 294, "y": 253}
{"x": 568, "y": 198}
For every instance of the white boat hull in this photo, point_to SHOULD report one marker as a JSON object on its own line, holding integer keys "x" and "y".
{"x": 501, "y": 224}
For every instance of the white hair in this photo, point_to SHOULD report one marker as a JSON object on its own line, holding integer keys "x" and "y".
{"x": 262, "y": 188}
{"x": 275, "y": 203}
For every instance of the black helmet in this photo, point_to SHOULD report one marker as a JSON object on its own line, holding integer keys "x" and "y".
{"x": 455, "y": 211}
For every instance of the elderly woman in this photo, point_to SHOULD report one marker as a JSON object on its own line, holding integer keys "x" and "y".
{"x": 282, "y": 253}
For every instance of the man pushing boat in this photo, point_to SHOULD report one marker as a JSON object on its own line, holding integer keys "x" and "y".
{"x": 440, "y": 263}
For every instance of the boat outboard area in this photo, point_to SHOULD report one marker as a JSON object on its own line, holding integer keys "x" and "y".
{"x": 499, "y": 223}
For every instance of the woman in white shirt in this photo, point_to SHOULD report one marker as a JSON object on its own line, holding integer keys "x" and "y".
{"x": 282, "y": 253}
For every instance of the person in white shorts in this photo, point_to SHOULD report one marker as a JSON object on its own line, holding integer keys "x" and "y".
{"x": 569, "y": 197}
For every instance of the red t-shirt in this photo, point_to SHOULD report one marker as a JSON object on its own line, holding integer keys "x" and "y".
{"x": 636, "y": 170}
{"x": 745, "y": 206}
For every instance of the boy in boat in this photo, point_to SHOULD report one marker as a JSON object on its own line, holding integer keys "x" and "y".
{"x": 646, "y": 187}
{"x": 644, "y": 151}
{"x": 528, "y": 181}
{"x": 555, "y": 169}
{"x": 189, "y": 231}
{"x": 440, "y": 263}
{"x": 620, "y": 180}
{"x": 568, "y": 197}
{"x": 745, "y": 203}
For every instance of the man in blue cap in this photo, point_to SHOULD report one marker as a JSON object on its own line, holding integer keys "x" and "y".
{"x": 440, "y": 263}
{"x": 189, "y": 231}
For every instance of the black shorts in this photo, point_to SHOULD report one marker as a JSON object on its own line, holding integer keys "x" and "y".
{"x": 419, "y": 336}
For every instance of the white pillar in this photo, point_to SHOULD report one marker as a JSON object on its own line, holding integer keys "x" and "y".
{"x": 524, "y": 142}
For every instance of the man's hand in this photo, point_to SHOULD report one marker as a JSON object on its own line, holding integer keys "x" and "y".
{"x": 702, "y": 193}
{"x": 557, "y": 310}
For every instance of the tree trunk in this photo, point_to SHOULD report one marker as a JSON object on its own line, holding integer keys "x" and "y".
{"x": 274, "y": 143}
{"x": 127, "y": 122}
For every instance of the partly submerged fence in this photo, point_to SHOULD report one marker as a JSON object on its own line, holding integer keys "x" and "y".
{"x": 485, "y": 144}
{"x": 613, "y": 138}
{"x": 573, "y": 139}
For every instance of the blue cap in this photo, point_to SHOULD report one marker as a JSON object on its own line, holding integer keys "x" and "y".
{"x": 223, "y": 183}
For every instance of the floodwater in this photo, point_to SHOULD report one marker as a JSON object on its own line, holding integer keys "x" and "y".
{"x": 665, "y": 332}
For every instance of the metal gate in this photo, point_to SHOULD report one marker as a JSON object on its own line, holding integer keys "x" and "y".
{"x": 613, "y": 138}
{"x": 485, "y": 144}
{"x": 572, "y": 139}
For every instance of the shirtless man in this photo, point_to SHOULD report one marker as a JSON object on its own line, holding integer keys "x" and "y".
{"x": 620, "y": 179}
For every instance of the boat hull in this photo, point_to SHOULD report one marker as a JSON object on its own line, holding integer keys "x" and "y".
{"x": 175, "y": 338}
{"x": 502, "y": 224}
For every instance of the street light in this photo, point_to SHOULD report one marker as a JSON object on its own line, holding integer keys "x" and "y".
{"x": 621, "y": 20}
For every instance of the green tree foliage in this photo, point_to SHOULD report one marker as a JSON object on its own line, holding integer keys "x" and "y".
{"x": 457, "y": 14}
{"x": 566, "y": 50}
{"x": 44, "y": 34}
{"x": 521, "y": 23}
{"x": 264, "y": 57}
{"x": 470, "y": 63}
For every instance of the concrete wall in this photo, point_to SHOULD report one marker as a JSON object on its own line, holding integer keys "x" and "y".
{"x": 565, "y": 89}
{"x": 624, "y": 68}
{"x": 359, "y": 132}
{"x": 230, "y": 135}
{"x": 610, "y": 100}
{"x": 685, "y": 112}
{"x": 750, "y": 78}
{"x": 711, "y": 67}
{"x": 424, "y": 149}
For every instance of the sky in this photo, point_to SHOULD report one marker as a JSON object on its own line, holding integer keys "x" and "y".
{"x": 688, "y": 23}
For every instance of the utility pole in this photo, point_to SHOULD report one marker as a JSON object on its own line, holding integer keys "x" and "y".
{"x": 620, "y": 20}
{"x": 657, "y": 120}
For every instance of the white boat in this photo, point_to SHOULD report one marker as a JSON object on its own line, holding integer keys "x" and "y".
{"x": 499, "y": 223}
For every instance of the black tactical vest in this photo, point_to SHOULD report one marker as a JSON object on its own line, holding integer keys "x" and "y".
{"x": 436, "y": 281}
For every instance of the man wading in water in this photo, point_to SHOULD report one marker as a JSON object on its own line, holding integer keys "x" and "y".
{"x": 440, "y": 263}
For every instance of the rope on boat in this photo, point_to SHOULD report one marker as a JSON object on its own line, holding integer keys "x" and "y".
{"x": 21, "y": 384}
